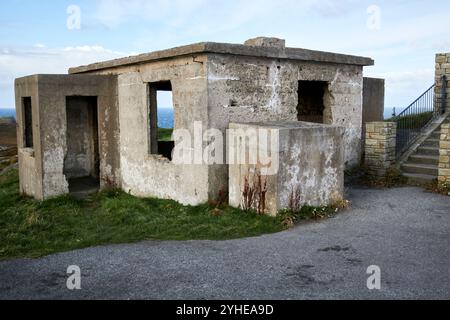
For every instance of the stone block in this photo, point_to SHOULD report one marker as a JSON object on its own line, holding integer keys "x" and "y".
{"x": 444, "y": 172}
{"x": 444, "y": 159}
{"x": 380, "y": 147}
{"x": 310, "y": 160}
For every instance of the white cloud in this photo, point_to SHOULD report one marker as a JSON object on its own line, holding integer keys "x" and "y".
{"x": 403, "y": 87}
{"x": 113, "y": 13}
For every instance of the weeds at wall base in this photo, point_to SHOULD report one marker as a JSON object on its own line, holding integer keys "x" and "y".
{"x": 308, "y": 213}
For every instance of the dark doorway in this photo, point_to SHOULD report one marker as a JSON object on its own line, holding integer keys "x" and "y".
{"x": 160, "y": 132}
{"x": 311, "y": 101}
{"x": 82, "y": 161}
{"x": 28, "y": 122}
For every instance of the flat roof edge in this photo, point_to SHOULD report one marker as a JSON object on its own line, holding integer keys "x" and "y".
{"x": 231, "y": 49}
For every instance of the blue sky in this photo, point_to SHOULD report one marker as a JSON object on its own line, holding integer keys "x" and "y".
{"x": 34, "y": 37}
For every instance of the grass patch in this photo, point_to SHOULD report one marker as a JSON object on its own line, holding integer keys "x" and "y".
{"x": 33, "y": 229}
{"x": 165, "y": 134}
{"x": 361, "y": 177}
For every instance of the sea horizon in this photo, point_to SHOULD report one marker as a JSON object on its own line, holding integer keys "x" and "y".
{"x": 165, "y": 116}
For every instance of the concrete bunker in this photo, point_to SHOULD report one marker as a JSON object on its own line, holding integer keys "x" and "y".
{"x": 213, "y": 85}
{"x": 158, "y": 145}
{"x": 82, "y": 159}
{"x": 27, "y": 122}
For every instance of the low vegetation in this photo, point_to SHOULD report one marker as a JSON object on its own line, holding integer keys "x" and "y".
{"x": 165, "y": 134}
{"x": 360, "y": 176}
{"x": 33, "y": 229}
{"x": 306, "y": 213}
{"x": 415, "y": 121}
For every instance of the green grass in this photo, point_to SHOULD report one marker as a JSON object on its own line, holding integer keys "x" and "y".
{"x": 164, "y": 134}
{"x": 33, "y": 229}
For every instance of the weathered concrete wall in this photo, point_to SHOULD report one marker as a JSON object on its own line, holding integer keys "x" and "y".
{"x": 311, "y": 165}
{"x": 442, "y": 69}
{"x": 82, "y": 138}
{"x": 50, "y": 138}
{"x": 373, "y": 103}
{"x": 380, "y": 147}
{"x": 247, "y": 89}
{"x": 444, "y": 156}
{"x": 144, "y": 174}
{"x": 215, "y": 84}
{"x": 257, "y": 89}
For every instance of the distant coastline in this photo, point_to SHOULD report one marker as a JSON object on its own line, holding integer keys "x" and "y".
{"x": 7, "y": 113}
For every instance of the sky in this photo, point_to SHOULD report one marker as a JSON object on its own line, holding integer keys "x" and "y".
{"x": 49, "y": 36}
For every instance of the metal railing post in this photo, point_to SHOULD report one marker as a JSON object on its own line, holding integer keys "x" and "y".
{"x": 443, "y": 94}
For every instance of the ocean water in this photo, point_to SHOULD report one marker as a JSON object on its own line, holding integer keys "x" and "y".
{"x": 165, "y": 116}
{"x": 7, "y": 113}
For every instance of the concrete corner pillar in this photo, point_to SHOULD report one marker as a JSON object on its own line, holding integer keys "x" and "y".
{"x": 380, "y": 147}
{"x": 444, "y": 155}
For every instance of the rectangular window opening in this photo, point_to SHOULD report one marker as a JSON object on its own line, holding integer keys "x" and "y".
{"x": 161, "y": 117}
{"x": 311, "y": 104}
{"x": 28, "y": 122}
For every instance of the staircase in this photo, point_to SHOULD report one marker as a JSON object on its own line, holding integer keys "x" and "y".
{"x": 421, "y": 166}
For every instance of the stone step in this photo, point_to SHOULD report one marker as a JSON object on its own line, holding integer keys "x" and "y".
{"x": 424, "y": 159}
{"x": 427, "y": 169}
{"x": 428, "y": 151}
{"x": 431, "y": 143}
{"x": 419, "y": 179}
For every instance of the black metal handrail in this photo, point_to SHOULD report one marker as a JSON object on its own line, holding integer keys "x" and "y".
{"x": 414, "y": 118}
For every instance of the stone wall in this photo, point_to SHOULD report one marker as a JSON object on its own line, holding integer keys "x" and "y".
{"x": 442, "y": 68}
{"x": 380, "y": 147}
{"x": 444, "y": 155}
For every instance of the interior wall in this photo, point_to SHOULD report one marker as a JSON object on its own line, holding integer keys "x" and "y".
{"x": 311, "y": 101}
{"x": 145, "y": 174}
{"x": 250, "y": 89}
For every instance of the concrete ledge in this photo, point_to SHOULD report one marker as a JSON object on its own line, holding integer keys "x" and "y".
{"x": 232, "y": 49}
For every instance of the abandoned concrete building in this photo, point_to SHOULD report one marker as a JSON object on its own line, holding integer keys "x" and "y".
{"x": 100, "y": 120}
